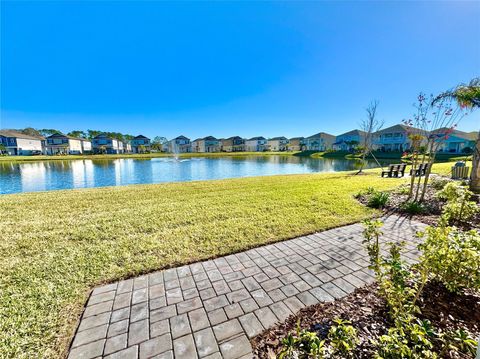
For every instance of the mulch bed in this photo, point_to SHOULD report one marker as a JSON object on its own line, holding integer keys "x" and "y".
{"x": 368, "y": 314}
{"x": 432, "y": 208}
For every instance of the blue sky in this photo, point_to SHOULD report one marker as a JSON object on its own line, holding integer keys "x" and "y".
{"x": 229, "y": 68}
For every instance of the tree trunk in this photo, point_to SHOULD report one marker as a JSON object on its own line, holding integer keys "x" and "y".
{"x": 475, "y": 176}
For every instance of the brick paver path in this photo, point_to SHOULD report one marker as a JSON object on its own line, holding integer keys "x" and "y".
{"x": 210, "y": 309}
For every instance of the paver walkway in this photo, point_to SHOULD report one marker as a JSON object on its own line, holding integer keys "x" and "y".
{"x": 210, "y": 309}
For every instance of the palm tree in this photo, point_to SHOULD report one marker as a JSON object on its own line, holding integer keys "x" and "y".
{"x": 468, "y": 95}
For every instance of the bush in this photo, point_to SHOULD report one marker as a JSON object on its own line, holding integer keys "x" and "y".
{"x": 458, "y": 208}
{"x": 304, "y": 344}
{"x": 452, "y": 257}
{"x": 412, "y": 207}
{"x": 410, "y": 338}
{"x": 439, "y": 183}
{"x": 343, "y": 337}
{"x": 377, "y": 199}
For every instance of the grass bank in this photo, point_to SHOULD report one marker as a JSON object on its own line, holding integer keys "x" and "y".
{"x": 394, "y": 156}
{"x": 57, "y": 245}
{"x": 137, "y": 156}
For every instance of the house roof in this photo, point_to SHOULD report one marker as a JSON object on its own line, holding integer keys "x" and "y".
{"x": 399, "y": 128}
{"x": 209, "y": 138}
{"x": 278, "y": 138}
{"x": 57, "y": 135}
{"x": 141, "y": 137}
{"x": 353, "y": 133}
{"x": 470, "y": 136}
{"x": 181, "y": 137}
{"x": 234, "y": 138}
{"x": 18, "y": 134}
{"x": 321, "y": 134}
{"x": 297, "y": 138}
{"x": 258, "y": 138}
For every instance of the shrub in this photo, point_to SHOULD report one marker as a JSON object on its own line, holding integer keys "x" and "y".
{"x": 343, "y": 337}
{"x": 378, "y": 199}
{"x": 410, "y": 338}
{"x": 461, "y": 341}
{"x": 439, "y": 183}
{"x": 304, "y": 344}
{"x": 452, "y": 257}
{"x": 412, "y": 207}
{"x": 459, "y": 208}
{"x": 398, "y": 285}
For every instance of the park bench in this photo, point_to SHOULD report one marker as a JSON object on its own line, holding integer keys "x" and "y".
{"x": 420, "y": 170}
{"x": 395, "y": 170}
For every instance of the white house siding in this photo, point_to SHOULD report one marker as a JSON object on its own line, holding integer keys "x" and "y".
{"x": 27, "y": 146}
{"x": 86, "y": 146}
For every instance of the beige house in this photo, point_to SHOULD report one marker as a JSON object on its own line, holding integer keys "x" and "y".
{"x": 296, "y": 144}
{"x": 206, "y": 144}
{"x": 233, "y": 144}
{"x": 277, "y": 144}
{"x": 62, "y": 144}
{"x": 17, "y": 143}
{"x": 180, "y": 144}
{"x": 320, "y": 142}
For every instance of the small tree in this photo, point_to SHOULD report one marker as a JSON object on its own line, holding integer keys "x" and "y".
{"x": 369, "y": 125}
{"x": 158, "y": 143}
{"x": 3, "y": 149}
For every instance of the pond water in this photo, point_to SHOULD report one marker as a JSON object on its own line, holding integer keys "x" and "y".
{"x": 56, "y": 175}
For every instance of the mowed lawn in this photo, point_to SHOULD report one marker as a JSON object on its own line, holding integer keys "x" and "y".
{"x": 55, "y": 246}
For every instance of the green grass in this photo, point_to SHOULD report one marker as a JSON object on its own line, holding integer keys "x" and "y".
{"x": 136, "y": 155}
{"x": 57, "y": 245}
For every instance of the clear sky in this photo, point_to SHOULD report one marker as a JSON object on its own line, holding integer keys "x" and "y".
{"x": 229, "y": 68}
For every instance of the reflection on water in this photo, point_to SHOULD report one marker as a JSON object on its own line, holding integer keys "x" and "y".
{"x": 53, "y": 175}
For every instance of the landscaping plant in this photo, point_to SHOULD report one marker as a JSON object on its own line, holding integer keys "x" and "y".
{"x": 459, "y": 208}
{"x": 452, "y": 257}
{"x": 343, "y": 338}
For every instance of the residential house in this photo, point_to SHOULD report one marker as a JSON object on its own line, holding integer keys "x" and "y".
{"x": 104, "y": 144}
{"x": 17, "y": 143}
{"x": 296, "y": 144}
{"x": 319, "y": 142}
{"x": 206, "y": 144}
{"x": 455, "y": 141}
{"x": 256, "y": 144}
{"x": 277, "y": 144}
{"x": 394, "y": 138}
{"x": 59, "y": 143}
{"x": 180, "y": 144}
{"x": 233, "y": 144}
{"x": 127, "y": 146}
{"x": 140, "y": 144}
{"x": 348, "y": 141}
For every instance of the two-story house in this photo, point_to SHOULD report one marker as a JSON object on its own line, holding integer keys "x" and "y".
{"x": 233, "y": 144}
{"x": 105, "y": 144}
{"x": 206, "y": 144}
{"x": 319, "y": 142}
{"x": 277, "y": 144}
{"x": 256, "y": 144}
{"x": 59, "y": 143}
{"x": 296, "y": 144}
{"x": 17, "y": 143}
{"x": 394, "y": 138}
{"x": 455, "y": 141}
{"x": 180, "y": 144}
{"x": 348, "y": 141}
{"x": 140, "y": 144}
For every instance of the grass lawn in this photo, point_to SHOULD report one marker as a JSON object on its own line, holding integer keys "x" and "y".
{"x": 440, "y": 157}
{"x": 136, "y": 155}
{"x": 57, "y": 245}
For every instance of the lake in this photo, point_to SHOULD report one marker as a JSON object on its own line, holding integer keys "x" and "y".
{"x": 55, "y": 175}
